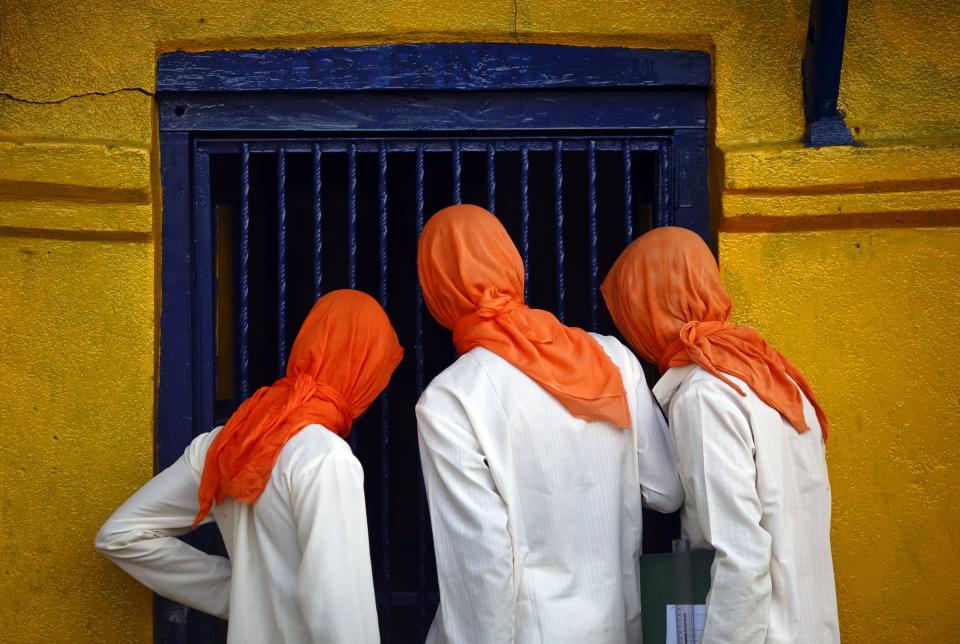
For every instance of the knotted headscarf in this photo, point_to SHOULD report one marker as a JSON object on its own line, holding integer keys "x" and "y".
{"x": 666, "y": 297}
{"x": 342, "y": 359}
{"x": 472, "y": 280}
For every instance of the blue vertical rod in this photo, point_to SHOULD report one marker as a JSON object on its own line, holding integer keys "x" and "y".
{"x": 663, "y": 215}
{"x": 282, "y": 261}
{"x": 317, "y": 219}
{"x": 525, "y": 216}
{"x": 627, "y": 192}
{"x": 352, "y": 235}
{"x": 491, "y": 179}
{"x": 245, "y": 271}
{"x": 384, "y": 401}
{"x": 558, "y": 218}
{"x": 352, "y": 215}
{"x": 456, "y": 172}
{"x": 592, "y": 220}
{"x": 418, "y": 344}
{"x": 420, "y": 377}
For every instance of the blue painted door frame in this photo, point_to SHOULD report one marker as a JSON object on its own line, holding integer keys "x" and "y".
{"x": 395, "y": 90}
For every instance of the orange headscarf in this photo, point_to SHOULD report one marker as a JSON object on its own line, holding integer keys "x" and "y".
{"x": 472, "y": 280}
{"x": 342, "y": 359}
{"x": 665, "y": 295}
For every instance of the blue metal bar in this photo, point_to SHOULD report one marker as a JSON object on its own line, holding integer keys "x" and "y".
{"x": 525, "y": 216}
{"x": 491, "y": 179}
{"x": 352, "y": 236}
{"x": 664, "y": 213}
{"x": 456, "y": 172}
{"x": 205, "y": 366}
{"x": 175, "y": 426}
{"x": 384, "y": 403}
{"x": 420, "y": 377}
{"x": 352, "y": 215}
{"x": 627, "y": 192}
{"x": 821, "y": 65}
{"x": 431, "y": 66}
{"x": 505, "y": 144}
{"x": 382, "y": 159}
{"x": 418, "y": 342}
{"x": 245, "y": 272}
{"x": 282, "y": 262}
{"x": 372, "y": 114}
{"x": 317, "y": 219}
{"x": 176, "y": 390}
{"x": 558, "y": 218}
{"x": 592, "y": 220}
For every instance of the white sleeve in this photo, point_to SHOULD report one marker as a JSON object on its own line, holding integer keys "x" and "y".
{"x": 469, "y": 519}
{"x": 660, "y": 485}
{"x": 715, "y": 446}
{"x": 334, "y": 585}
{"x": 141, "y": 538}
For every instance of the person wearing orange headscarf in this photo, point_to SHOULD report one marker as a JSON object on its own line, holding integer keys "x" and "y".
{"x": 284, "y": 489}
{"x": 539, "y": 446}
{"x": 750, "y": 439}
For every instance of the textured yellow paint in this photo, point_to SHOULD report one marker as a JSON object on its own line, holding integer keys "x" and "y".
{"x": 78, "y": 165}
{"x": 799, "y": 169}
{"x": 76, "y": 337}
{"x": 901, "y": 69}
{"x": 849, "y": 203}
{"x": 870, "y": 316}
{"x": 78, "y": 317}
{"x": 72, "y": 216}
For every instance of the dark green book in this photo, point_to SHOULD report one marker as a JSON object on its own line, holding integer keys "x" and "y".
{"x": 680, "y": 579}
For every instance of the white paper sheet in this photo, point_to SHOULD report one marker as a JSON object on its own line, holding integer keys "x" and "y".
{"x": 685, "y": 623}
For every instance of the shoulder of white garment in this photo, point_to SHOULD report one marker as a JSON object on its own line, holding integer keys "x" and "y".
{"x": 313, "y": 446}
{"x": 621, "y": 355}
{"x": 307, "y": 449}
{"x": 196, "y": 453}
{"x": 465, "y": 372}
{"x": 481, "y": 369}
{"x": 699, "y": 385}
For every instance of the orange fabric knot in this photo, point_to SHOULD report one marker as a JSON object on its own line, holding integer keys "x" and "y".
{"x": 493, "y": 302}
{"x": 306, "y": 387}
{"x": 692, "y": 333}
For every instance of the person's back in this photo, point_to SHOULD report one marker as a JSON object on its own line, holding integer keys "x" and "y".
{"x": 284, "y": 489}
{"x": 537, "y": 447}
{"x": 787, "y": 591}
{"x": 558, "y": 501}
{"x": 286, "y": 582}
{"x": 749, "y": 435}
{"x": 313, "y": 499}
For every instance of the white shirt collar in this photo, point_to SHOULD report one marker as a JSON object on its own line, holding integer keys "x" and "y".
{"x": 668, "y": 384}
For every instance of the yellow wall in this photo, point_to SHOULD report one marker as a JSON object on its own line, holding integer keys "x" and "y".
{"x": 844, "y": 257}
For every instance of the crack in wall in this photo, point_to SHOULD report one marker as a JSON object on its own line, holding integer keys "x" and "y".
{"x": 516, "y": 11}
{"x": 19, "y": 99}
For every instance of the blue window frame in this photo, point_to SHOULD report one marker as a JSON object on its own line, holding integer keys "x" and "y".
{"x": 289, "y": 173}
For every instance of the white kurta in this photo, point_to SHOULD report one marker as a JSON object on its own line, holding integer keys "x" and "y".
{"x": 536, "y": 515}
{"x": 758, "y": 493}
{"x": 299, "y": 567}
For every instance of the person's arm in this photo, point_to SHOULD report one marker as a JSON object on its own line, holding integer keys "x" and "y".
{"x": 334, "y": 585}
{"x": 469, "y": 518}
{"x": 660, "y": 484}
{"x": 141, "y": 538}
{"x": 715, "y": 449}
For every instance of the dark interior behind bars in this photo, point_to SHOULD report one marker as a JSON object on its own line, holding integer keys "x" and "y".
{"x": 385, "y": 438}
